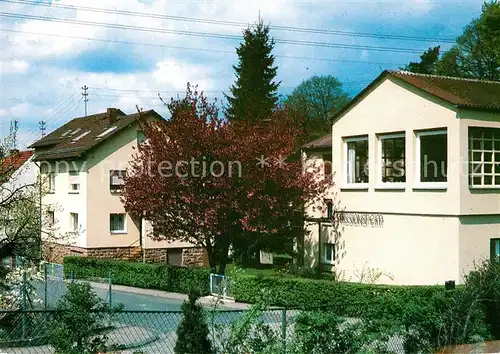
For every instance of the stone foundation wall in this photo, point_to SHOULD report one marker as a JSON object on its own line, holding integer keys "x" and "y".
{"x": 191, "y": 257}
{"x": 109, "y": 252}
{"x": 155, "y": 255}
{"x": 54, "y": 252}
{"x": 194, "y": 257}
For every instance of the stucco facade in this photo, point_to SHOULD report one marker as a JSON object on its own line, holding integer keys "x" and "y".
{"x": 411, "y": 232}
{"x": 96, "y": 203}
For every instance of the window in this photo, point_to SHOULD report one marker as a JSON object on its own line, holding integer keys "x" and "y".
{"x": 117, "y": 223}
{"x": 432, "y": 149}
{"x": 51, "y": 218}
{"x": 174, "y": 256}
{"x": 74, "y": 225}
{"x": 495, "y": 249}
{"x": 52, "y": 182}
{"x": 329, "y": 253}
{"x": 116, "y": 181}
{"x": 393, "y": 158}
{"x": 357, "y": 160}
{"x": 74, "y": 182}
{"x": 327, "y": 163}
{"x": 328, "y": 208}
{"x": 484, "y": 157}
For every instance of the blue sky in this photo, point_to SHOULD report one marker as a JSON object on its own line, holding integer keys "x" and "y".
{"x": 44, "y": 64}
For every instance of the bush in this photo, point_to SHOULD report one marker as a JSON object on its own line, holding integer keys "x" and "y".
{"x": 318, "y": 332}
{"x": 344, "y": 298}
{"x": 77, "y": 326}
{"x": 141, "y": 275}
{"x": 192, "y": 333}
{"x": 426, "y": 317}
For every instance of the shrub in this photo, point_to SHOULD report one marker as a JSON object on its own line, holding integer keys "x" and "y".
{"x": 344, "y": 298}
{"x": 318, "y": 332}
{"x": 76, "y": 328}
{"x": 141, "y": 275}
{"x": 192, "y": 333}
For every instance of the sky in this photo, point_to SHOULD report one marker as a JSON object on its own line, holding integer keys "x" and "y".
{"x": 128, "y": 51}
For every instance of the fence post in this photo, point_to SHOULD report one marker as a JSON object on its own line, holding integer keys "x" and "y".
{"x": 45, "y": 298}
{"x": 23, "y": 306}
{"x": 110, "y": 296}
{"x": 110, "y": 288}
{"x": 283, "y": 328}
{"x": 72, "y": 277}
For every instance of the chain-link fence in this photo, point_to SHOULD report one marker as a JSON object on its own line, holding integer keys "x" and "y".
{"x": 155, "y": 332}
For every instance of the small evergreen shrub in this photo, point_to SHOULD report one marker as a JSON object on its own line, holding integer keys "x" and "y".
{"x": 192, "y": 333}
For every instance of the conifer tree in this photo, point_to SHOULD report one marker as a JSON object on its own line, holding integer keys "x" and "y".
{"x": 254, "y": 94}
{"x": 192, "y": 333}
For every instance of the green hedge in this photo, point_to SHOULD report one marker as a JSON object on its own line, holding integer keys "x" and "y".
{"x": 141, "y": 275}
{"x": 352, "y": 299}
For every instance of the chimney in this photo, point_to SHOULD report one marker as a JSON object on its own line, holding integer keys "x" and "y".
{"x": 111, "y": 115}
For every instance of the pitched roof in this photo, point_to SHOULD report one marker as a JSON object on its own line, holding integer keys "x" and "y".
{"x": 464, "y": 93}
{"x": 13, "y": 162}
{"x": 323, "y": 142}
{"x": 79, "y": 135}
{"x": 467, "y": 93}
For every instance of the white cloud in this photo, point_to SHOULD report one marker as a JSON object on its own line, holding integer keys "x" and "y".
{"x": 13, "y": 66}
{"x": 176, "y": 74}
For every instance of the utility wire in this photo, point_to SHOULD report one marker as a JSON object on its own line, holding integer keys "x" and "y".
{"x": 196, "y": 49}
{"x": 206, "y": 34}
{"x": 233, "y": 23}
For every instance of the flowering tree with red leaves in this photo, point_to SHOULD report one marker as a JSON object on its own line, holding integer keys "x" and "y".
{"x": 201, "y": 179}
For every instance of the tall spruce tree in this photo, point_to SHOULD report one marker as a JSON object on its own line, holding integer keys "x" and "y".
{"x": 254, "y": 94}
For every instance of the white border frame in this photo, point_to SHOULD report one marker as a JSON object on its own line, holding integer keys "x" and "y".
{"x": 418, "y": 182}
{"x": 389, "y": 185}
{"x": 347, "y": 140}
{"x": 118, "y": 232}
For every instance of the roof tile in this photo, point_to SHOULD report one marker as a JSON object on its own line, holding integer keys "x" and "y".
{"x": 81, "y": 134}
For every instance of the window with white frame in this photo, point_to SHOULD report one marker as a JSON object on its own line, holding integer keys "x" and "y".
{"x": 117, "y": 223}
{"x": 432, "y": 156}
{"x": 74, "y": 182}
{"x": 73, "y": 222}
{"x": 117, "y": 180}
{"x": 392, "y": 158}
{"x": 51, "y": 177}
{"x": 329, "y": 253}
{"x": 356, "y": 150}
{"x": 484, "y": 157}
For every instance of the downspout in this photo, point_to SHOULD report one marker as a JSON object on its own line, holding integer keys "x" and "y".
{"x": 40, "y": 206}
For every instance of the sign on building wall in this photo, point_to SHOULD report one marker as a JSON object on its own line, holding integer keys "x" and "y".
{"x": 361, "y": 219}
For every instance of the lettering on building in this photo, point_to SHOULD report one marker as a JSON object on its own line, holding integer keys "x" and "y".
{"x": 361, "y": 219}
